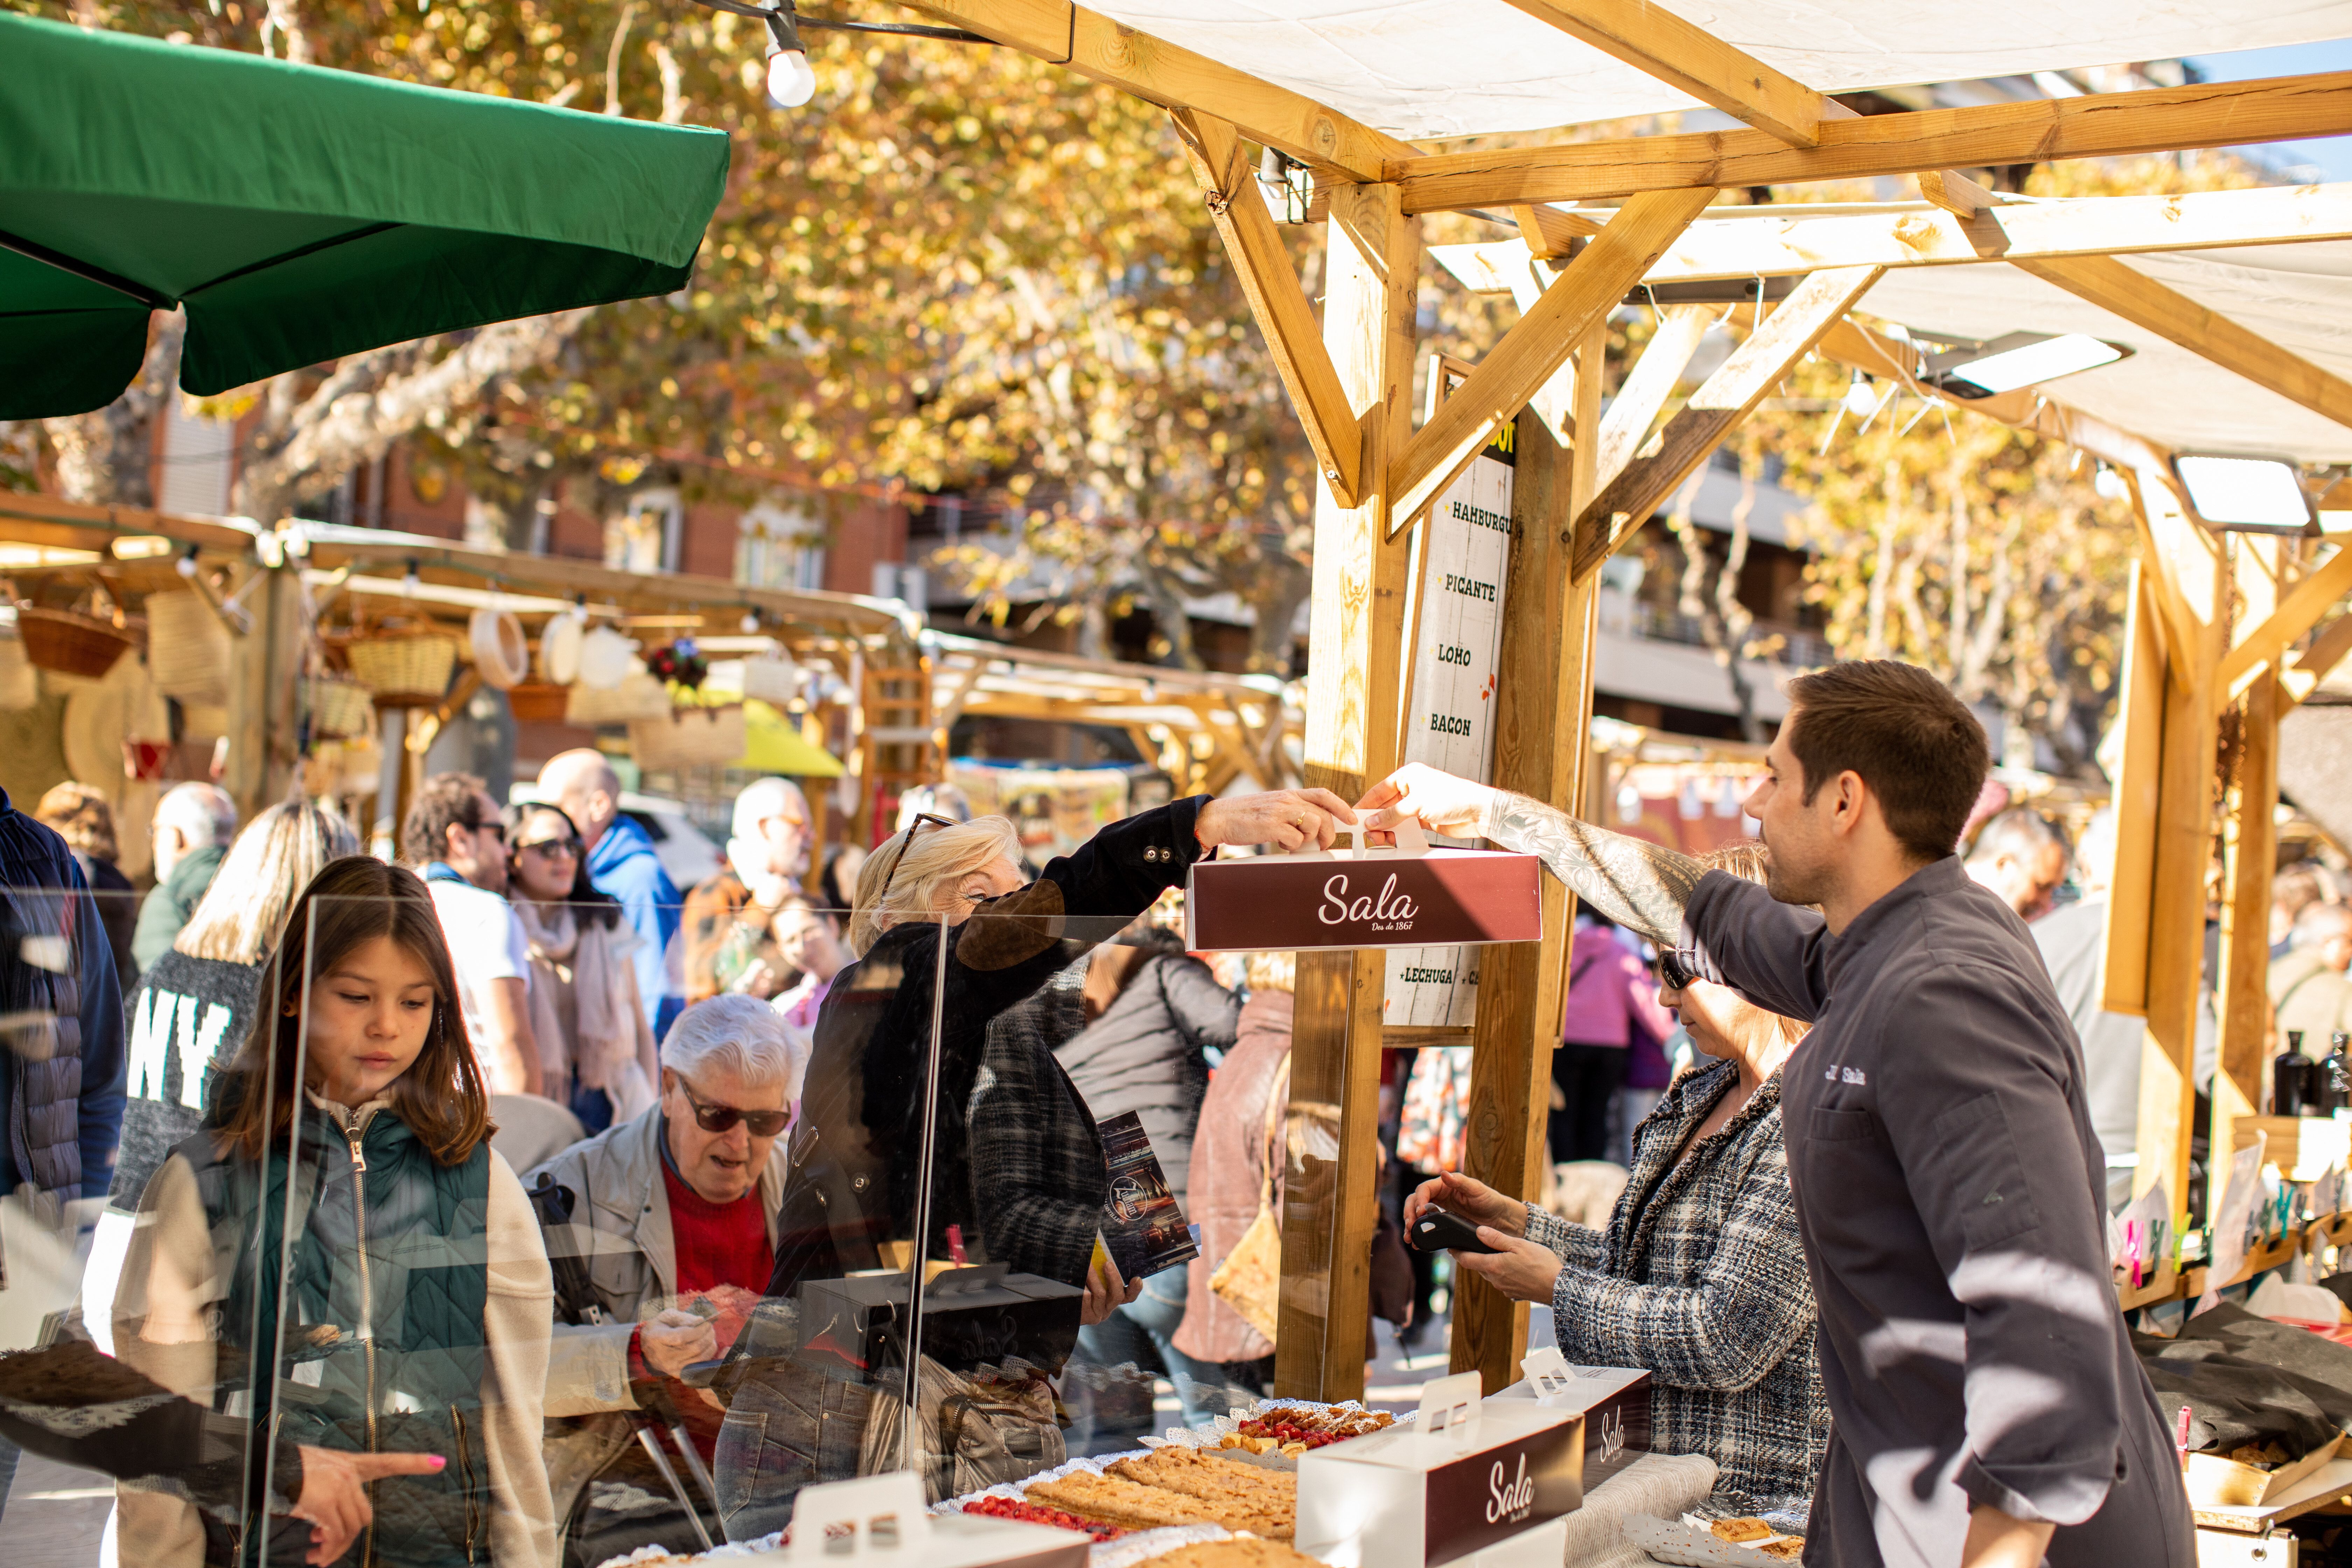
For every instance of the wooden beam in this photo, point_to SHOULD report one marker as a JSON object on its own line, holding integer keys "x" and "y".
{"x": 2042, "y": 130}
{"x": 1971, "y": 204}
{"x": 1588, "y": 288}
{"x": 2139, "y": 716}
{"x": 1647, "y": 386}
{"x": 2319, "y": 593}
{"x": 1542, "y": 698}
{"x": 1690, "y": 60}
{"x": 1783, "y": 241}
{"x": 1549, "y": 233}
{"x": 1157, "y": 71}
{"x": 1715, "y": 410}
{"x": 2248, "y": 854}
{"x": 2316, "y": 662}
{"x": 2146, "y": 303}
{"x": 2184, "y": 824}
{"x": 1329, "y": 1205}
{"x": 1270, "y": 281}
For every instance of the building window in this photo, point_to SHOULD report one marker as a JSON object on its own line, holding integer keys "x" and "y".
{"x": 649, "y": 534}
{"x": 196, "y": 456}
{"x": 776, "y": 548}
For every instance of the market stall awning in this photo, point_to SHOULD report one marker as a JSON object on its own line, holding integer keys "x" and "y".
{"x": 1431, "y": 68}
{"x": 301, "y": 214}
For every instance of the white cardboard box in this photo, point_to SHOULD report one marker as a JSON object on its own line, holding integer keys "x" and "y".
{"x": 918, "y": 1538}
{"x": 1613, "y": 1400}
{"x": 1460, "y": 1484}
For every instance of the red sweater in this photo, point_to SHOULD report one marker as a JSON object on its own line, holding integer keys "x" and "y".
{"x": 716, "y": 1243}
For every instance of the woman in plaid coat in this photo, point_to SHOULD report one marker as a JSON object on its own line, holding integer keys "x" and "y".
{"x": 1700, "y": 1276}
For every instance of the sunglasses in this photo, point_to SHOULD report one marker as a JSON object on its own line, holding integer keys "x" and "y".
{"x": 553, "y": 848}
{"x": 713, "y": 1118}
{"x": 1675, "y": 974}
{"x": 912, "y": 828}
{"x": 497, "y": 827}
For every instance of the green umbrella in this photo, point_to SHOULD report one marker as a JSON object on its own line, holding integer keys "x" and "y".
{"x": 301, "y": 214}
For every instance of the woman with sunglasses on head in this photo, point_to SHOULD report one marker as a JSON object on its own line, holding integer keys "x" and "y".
{"x": 1018, "y": 1171}
{"x": 1700, "y": 1276}
{"x": 595, "y": 1048}
{"x": 338, "y": 1256}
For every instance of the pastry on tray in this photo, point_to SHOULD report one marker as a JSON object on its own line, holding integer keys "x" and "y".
{"x": 1037, "y": 1513}
{"x": 1240, "y": 1552}
{"x": 1245, "y": 1497}
{"x": 1121, "y": 1503}
{"x": 1741, "y": 1530}
{"x": 1788, "y": 1549}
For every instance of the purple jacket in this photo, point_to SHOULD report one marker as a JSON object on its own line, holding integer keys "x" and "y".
{"x": 1608, "y": 991}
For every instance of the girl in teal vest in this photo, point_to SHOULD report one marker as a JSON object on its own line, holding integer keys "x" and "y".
{"x": 342, "y": 1221}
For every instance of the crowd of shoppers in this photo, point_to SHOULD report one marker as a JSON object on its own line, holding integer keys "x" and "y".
{"x": 328, "y": 1250}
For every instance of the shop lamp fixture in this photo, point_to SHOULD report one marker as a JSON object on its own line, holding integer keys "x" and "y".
{"x": 2014, "y": 360}
{"x": 792, "y": 81}
{"x": 2244, "y": 494}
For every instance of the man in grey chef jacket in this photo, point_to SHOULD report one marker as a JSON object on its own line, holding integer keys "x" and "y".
{"x": 1989, "y": 1411}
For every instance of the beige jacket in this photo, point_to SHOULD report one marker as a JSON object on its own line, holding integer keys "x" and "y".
{"x": 164, "y": 1318}
{"x": 621, "y": 1227}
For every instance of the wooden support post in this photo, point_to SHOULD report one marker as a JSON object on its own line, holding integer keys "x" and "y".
{"x": 2188, "y": 558}
{"x": 264, "y": 666}
{"x": 1543, "y": 705}
{"x": 1329, "y": 1205}
{"x": 2248, "y": 854}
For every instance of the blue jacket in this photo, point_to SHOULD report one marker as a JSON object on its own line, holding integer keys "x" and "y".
{"x": 624, "y": 866}
{"x": 36, "y": 1101}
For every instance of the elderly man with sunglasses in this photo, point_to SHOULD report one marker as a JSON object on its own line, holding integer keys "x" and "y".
{"x": 674, "y": 1213}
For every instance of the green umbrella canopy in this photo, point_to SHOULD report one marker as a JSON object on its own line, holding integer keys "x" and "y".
{"x": 301, "y": 214}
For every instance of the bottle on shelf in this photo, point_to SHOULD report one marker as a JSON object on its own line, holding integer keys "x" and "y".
{"x": 2290, "y": 1079}
{"x": 2333, "y": 1089}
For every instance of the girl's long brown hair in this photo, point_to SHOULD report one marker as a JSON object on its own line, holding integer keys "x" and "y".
{"x": 350, "y": 902}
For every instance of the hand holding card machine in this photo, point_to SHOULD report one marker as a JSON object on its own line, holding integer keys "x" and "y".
{"x": 1437, "y": 1231}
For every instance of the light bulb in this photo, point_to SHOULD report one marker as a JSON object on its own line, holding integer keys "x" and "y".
{"x": 792, "y": 82}
{"x": 1861, "y": 398}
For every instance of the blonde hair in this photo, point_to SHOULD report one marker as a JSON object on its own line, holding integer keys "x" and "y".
{"x": 265, "y": 870}
{"x": 1273, "y": 972}
{"x": 1750, "y": 861}
{"x": 921, "y": 888}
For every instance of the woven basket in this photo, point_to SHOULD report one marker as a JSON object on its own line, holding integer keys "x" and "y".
{"x": 338, "y": 708}
{"x": 690, "y": 737}
{"x": 538, "y": 702}
{"x": 404, "y": 669}
{"x": 187, "y": 648}
{"x": 639, "y": 695}
{"x": 71, "y": 643}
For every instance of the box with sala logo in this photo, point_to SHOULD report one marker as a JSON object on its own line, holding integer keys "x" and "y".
{"x": 1613, "y": 1400}
{"x": 1468, "y": 1482}
{"x": 1412, "y": 895}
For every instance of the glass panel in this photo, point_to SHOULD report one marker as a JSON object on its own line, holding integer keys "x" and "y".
{"x": 114, "y": 1334}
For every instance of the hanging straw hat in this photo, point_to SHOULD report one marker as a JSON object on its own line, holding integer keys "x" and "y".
{"x": 501, "y": 656}
{"x": 559, "y": 648}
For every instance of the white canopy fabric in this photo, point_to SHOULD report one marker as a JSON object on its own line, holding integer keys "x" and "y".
{"x": 2298, "y": 297}
{"x": 1433, "y": 69}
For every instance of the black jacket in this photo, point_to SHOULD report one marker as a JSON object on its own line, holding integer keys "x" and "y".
{"x": 1034, "y": 1199}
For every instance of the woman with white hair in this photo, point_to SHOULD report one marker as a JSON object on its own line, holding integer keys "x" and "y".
{"x": 1018, "y": 1175}
{"x": 679, "y": 1207}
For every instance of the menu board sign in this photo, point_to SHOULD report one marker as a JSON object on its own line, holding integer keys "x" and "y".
{"x": 1453, "y": 649}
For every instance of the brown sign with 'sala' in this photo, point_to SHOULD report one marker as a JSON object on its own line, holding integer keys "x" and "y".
{"x": 1436, "y": 898}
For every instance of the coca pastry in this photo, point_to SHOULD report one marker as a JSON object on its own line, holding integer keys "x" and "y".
{"x": 1240, "y": 1552}
{"x": 1295, "y": 1431}
{"x": 1121, "y": 1503}
{"x": 1740, "y": 1529}
{"x": 1240, "y": 1496}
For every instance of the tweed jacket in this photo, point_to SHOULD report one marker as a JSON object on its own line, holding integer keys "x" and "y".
{"x": 1701, "y": 1278}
